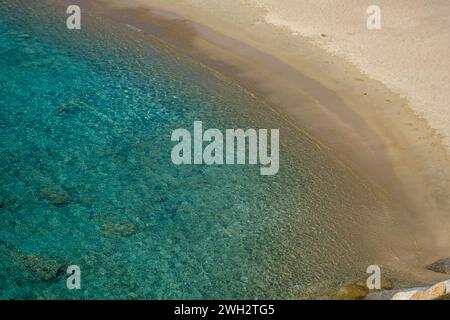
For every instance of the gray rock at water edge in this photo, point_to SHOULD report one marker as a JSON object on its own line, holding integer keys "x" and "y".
{"x": 441, "y": 266}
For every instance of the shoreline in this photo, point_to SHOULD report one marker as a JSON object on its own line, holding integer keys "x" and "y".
{"x": 367, "y": 126}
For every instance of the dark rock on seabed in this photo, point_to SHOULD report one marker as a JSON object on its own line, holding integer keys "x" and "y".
{"x": 56, "y": 198}
{"x": 119, "y": 229}
{"x": 42, "y": 268}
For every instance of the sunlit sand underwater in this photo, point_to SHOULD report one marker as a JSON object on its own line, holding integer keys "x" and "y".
{"x": 87, "y": 179}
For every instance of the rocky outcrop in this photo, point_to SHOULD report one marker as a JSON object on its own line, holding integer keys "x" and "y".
{"x": 428, "y": 293}
{"x": 438, "y": 291}
{"x": 441, "y": 266}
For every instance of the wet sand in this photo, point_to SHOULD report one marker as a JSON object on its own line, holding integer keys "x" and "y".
{"x": 370, "y": 128}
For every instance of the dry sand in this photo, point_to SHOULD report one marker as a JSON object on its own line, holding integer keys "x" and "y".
{"x": 410, "y": 53}
{"x": 356, "y": 91}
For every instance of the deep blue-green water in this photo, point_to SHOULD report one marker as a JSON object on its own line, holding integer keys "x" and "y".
{"x": 85, "y": 124}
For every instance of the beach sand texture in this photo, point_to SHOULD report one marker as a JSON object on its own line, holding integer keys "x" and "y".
{"x": 409, "y": 54}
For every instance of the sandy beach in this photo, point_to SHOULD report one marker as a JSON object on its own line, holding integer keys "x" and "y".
{"x": 376, "y": 99}
{"x": 207, "y": 150}
{"x": 409, "y": 53}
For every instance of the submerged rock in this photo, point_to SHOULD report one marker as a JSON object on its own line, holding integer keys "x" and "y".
{"x": 7, "y": 244}
{"x": 42, "y": 268}
{"x": 119, "y": 229}
{"x": 359, "y": 289}
{"x": 352, "y": 291}
{"x": 24, "y": 36}
{"x": 441, "y": 266}
{"x": 71, "y": 107}
{"x": 386, "y": 284}
{"x": 56, "y": 198}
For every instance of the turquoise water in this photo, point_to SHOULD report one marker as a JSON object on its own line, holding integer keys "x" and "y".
{"x": 85, "y": 124}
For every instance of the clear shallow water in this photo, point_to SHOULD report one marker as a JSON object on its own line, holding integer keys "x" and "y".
{"x": 87, "y": 116}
